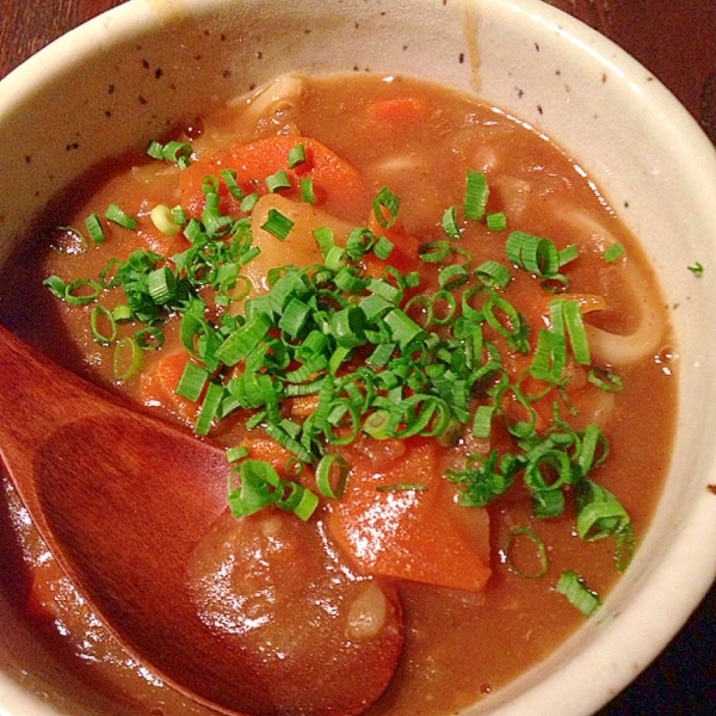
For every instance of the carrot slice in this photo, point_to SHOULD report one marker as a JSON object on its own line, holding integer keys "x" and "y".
{"x": 401, "y": 520}
{"x": 398, "y": 111}
{"x": 337, "y": 185}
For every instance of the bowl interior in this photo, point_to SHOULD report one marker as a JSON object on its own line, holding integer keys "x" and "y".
{"x": 147, "y": 64}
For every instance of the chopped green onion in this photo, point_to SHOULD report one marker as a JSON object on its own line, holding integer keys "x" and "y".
{"x": 118, "y": 216}
{"x": 105, "y": 334}
{"x": 449, "y": 223}
{"x": 236, "y": 453}
{"x": 95, "y": 230}
{"x": 209, "y": 408}
{"x": 435, "y": 251}
{"x": 57, "y": 286}
{"x": 625, "y": 548}
{"x": 294, "y": 317}
{"x": 572, "y": 586}
{"x": 155, "y": 149}
{"x": 550, "y": 357}
{"x": 442, "y": 308}
{"x": 568, "y": 254}
{"x": 249, "y": 202}
{"x": 256, "y": 491}
{"x": 599, "y": 513}
{"x": 496, "y": 221}
{"x": 82, "y": 291}
{"x": 276, "y": 182}
{"x": 150, "y": 338}
{"x": 477, "y": 193}
{"x": 308, "y": 190}
{"x": 278, "y": 224}
{"x": 296, "y": 156}
{"x": 566, "y": 318}
{"x": 482, "y": 423}
{"x": 173, "y": 151}
{"x": 534, "y": 254}
{"x": 301, "y": 502}
{"x": 453, "y": 276}
{"x": 606, "y": 379}
{"x": 192, "y": 382}
{"x": 540, "y": 570}
{"x": 385, "y": 207}
{"x": 229, "y": 177}
{"x": 122, "y": 312}
{"x": 161, "y": 285}
{"x": 697, "y": 269}
{"x": 127, "y": 360}
{"x": 614, "y": 252}
{"x": 404, "y": 329}
{"x": 382, "y": 248}
{"x": 332, "y": 475}
{"x": 493, "y": 274}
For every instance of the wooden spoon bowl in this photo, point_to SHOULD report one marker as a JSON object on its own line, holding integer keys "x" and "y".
{"x": 121, "y": 499}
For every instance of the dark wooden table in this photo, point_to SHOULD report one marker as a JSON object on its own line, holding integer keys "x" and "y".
{"x": 676, "y": 40}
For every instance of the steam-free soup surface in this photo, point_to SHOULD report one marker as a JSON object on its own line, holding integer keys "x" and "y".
{"x": 464, "y": 598}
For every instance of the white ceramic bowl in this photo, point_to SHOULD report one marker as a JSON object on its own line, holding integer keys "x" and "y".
{"x": 148, "y": 63}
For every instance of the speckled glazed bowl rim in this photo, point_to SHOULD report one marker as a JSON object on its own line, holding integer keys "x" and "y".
{"x": 634, "y": 138}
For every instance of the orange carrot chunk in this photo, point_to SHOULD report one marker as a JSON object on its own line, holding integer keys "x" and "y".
{"x": 402, "y": 521}
{"x": 337, "y": 185}
{"x": 398, "y": 111}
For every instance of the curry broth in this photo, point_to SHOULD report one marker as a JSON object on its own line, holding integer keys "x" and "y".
{"x": 459, "y": 645}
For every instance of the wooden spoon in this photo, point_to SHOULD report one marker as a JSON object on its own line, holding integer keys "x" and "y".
{"x": 121, "y": 500}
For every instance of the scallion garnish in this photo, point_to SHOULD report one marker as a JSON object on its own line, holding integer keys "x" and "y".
{"x": 117, "y": 215}
{"x": 56, "y": 285}
{"x": 173, "y": 151}
{"x": 538, "y": 570}
{"x": 192, "y": 382}
{"x": 496, "y": 221}
{"x": 279, "y": 180}
{"x": 572, "y": 586}
{"x": 103, "y": 325}
{"x": 121, "y": 312}
{"x": 127, "y": 359}
{"x": 150, "y": 338}
{"x": 332, "y": 475}
{"x": 297, "y": 155}
{"x": 477, "y": 193}
{"x": 308, "y": 191}
{"x": 229, "y": 177}
{"x": 95, "y": 229}
{"x": 614, "y": 252}
{"x": 278, "y": 224}
{"x": 82, "y": 291}
{"x": 381, "y": 356}
{"x": 385, "y": 207}
{"x": 449, "y": 223}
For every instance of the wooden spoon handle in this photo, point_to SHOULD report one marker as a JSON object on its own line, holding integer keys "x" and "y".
{"x": 121, "y": 499}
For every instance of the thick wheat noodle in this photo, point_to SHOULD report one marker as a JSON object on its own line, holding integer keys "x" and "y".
{"x": 629, "y": 348}
{"x": 615, "y": 348}
{"x": 281, "y": 94}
